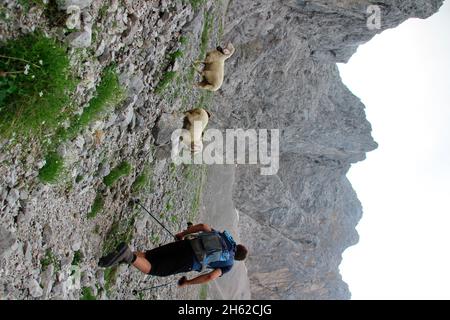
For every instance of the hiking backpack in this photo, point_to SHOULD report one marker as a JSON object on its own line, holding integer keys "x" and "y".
{"x": 213, "y": 249}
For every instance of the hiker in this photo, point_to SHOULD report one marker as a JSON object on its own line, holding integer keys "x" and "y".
{"x": 207, "y": 249}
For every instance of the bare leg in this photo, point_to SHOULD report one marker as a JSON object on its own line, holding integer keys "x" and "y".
{"x": 141, "y": 263}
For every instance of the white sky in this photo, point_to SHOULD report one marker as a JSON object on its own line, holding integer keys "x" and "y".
{"x": 403, "y": 77}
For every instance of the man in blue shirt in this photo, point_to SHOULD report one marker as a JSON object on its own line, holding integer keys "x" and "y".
{"x": 209, "y": 249}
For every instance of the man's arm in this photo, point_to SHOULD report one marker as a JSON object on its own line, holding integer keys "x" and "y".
{"x": 193, "y": 229}
{"x": 200, "y": 279}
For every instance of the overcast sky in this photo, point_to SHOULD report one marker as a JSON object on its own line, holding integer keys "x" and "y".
{"x": 403, "y": 78}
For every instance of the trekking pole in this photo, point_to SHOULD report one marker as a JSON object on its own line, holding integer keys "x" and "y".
{"x": 135, "y": 292}
{"x": 137, "y": 201}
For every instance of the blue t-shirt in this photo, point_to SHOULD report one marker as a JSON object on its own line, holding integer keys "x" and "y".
{"x": 196, "y": 265}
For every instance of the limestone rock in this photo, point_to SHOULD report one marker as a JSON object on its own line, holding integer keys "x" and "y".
{"x": 7, "y": 241}
{"x": 82, "y": 4}
{"x": 35, "y": 289}
{"x": 80, "y": 39}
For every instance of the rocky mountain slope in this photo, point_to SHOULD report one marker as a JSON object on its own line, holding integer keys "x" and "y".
{"x": 283, "y": 75}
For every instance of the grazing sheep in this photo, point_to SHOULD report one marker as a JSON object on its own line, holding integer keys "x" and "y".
{"x": 213, "y": 71}
{"x": 195, "y": 122}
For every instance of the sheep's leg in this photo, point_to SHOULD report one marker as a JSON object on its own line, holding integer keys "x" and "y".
{"x": 205, "y": 86}
{"x": 198, "y": 70}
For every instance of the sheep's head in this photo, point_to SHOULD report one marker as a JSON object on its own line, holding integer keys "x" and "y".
{"x": 227, "y": 51}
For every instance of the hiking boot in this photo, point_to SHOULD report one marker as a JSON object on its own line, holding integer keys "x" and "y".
{"x": 122, "y": 254}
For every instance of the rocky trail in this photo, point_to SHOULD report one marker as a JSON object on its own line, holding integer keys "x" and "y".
{"x": 51, "y": 231}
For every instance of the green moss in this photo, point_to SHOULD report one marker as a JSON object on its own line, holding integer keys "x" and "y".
{"x": 35, "y": 86}
{"x": 51, "y": 171}
{"x": 97, "y": 206}
{"x": 86, "y": 294}
{"x": 121, "y": 170}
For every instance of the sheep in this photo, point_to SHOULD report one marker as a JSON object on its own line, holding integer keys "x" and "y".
{"x": 213, "y": 71}
{"x": 194, "y": 123}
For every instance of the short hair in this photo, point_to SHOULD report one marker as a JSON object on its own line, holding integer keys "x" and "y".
{"x": 241, "y": 252}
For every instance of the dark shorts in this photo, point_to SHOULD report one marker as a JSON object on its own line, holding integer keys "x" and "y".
{"x": 172, "y": 258}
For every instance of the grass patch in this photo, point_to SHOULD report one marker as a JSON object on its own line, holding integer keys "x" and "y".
{"x": 176, "y": 55}
{"x": 188, "y": 172}
{"x": 48, "y": 259}
{"x": 28, "y": 4}
{"x": 196, "y": 3}
{"x": 51, "y": 171}
{"x": 139, "y": 183}
{"x": 35, "y": 84}
{"x": 110, "y": 277}
{"x": 195, "y": 204}
{"x": 86, "y": 294}
{"x": 203, "y": 294}
{"x": 142, "y": 181}
{"x": 154, "y": 239}
{"x": 208, "y": 23}
{"x": 108, "y": 94}
{"x": 121, "y": 170}
{"x": 205, "y": 100}
{"x": 165, "y": 81}
{"x": 184, "y": 40}
{"x": 103, "y": 11}
{"x": 169, "y": 205}
{"x": 172, "y": 168}
{"x": 77, "y": 257}
{"x": 97, "y": 206}
{"x": 120, "y": 231}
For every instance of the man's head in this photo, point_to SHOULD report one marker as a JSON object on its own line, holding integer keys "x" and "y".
{"x": 241, "y": 252}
